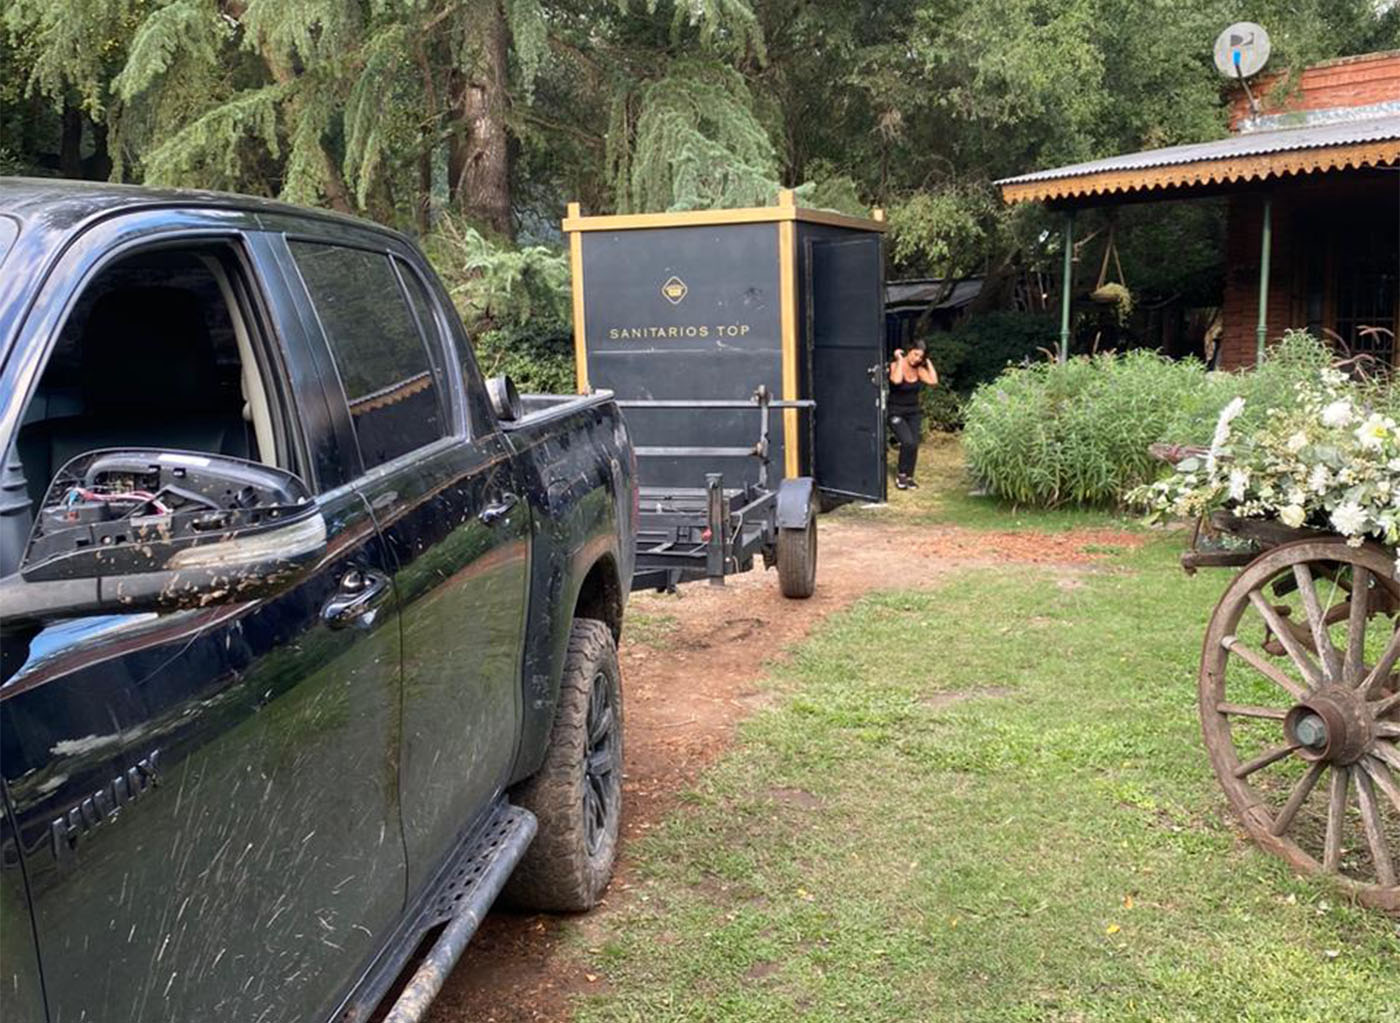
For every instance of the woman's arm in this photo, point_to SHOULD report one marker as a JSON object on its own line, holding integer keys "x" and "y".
{"x": 928, "y": 374}
{"x": 897, "y": 366}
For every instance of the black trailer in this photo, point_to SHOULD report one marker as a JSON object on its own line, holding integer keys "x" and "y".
{"x": 701, "y": 322}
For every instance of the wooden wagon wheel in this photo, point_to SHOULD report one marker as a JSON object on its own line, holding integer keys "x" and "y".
{"x": 1306, "y": 740}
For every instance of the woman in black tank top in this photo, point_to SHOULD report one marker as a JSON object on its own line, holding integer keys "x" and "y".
{"x": 910, "y": 373}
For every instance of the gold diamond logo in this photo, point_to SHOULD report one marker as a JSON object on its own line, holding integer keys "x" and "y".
{"x": 674, "y": 290}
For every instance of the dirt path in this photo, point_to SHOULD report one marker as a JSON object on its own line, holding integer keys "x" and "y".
{"x": 691, "y": 673}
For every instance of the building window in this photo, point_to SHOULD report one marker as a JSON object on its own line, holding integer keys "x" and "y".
{"x": 1367, "y": 284}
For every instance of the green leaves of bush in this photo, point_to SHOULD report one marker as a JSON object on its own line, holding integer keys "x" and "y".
{"x": 1078, "y": 433}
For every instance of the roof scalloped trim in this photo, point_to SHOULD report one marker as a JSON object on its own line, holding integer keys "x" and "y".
{"x": 1230, "y": 170}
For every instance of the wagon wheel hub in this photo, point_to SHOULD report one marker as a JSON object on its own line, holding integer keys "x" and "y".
{"x": 1332, "y": 725}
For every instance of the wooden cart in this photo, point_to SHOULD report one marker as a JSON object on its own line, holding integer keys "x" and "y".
{"x": 1300, "y": 698}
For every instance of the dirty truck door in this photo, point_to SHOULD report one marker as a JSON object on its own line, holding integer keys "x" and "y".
{"x": 845, "y": 292}
{"x": 206, "y": 800}
{"x": 442, "y": 485}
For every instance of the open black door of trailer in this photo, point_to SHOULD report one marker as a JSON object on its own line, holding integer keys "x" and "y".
{"x": 845, "y": 295}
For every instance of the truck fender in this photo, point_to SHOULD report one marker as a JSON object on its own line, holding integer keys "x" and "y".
{"x": 795, "y": 502}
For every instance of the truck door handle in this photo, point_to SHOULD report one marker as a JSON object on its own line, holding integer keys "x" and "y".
{"x": 494, "y": 513}
{"x": 356, "y": 603}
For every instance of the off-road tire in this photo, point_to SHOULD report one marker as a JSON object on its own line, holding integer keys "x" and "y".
{"x": 797, "y": 560}
{"x": 559, "y": 873}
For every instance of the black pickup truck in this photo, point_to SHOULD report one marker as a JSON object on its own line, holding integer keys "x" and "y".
{"x": 307, "y": 631}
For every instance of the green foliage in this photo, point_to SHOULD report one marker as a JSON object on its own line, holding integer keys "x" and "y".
{"x": 983, "y": 345}
{"x": 211, "y": 151}
{"x": 515, "y": 302}
{"x": 73, "y": 45}
{"x": 695, "y": 143}
{"x": 498, "y": 284}
{"x": 538, "y": 360}
{"x": 1078, "y": 433}
{"x": 943, "y": 409}
{"x": 942, "y": 230}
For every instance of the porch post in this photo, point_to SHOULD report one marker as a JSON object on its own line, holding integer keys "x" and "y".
{"x": 1066, "y": 282}
{"x": 1266, "y": 248}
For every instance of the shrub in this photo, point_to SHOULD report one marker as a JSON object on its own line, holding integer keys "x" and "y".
{"x": 515, "y": 303}
{"x": 942, "y": 409}
{"x": 982, "y": 346}
{"x": 540, "y": 360}
{"x": 1078, "y": 433}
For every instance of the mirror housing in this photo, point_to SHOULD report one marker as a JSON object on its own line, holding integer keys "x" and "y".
{"x": 147, "y": 530}
{"x": 505, "y": 399}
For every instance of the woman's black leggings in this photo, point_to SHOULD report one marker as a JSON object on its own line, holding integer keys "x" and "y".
{"x": 907, "y": 430}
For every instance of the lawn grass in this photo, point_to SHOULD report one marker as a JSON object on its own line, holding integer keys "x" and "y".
{"x": 985, "y": 802}
{"x": 946, "y": 496}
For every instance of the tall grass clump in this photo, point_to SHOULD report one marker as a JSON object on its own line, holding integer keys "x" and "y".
{"x": 1078, "y": 433}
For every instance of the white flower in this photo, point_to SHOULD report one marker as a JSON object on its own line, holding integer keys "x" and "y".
{"x": 1374, "y": 431}
{"x": 1222, "y": 430}
{"x": 1239, "y": 483}
{"x": 1292, "y": 515}
{"x": 1297, "y": 442}
{"x": 1337, "y": 414}
{"x": 1349, "y": 519}
{"x": 1319, "y": 479}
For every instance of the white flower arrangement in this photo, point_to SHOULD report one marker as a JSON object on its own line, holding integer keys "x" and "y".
{"x": 1326, "y": 461}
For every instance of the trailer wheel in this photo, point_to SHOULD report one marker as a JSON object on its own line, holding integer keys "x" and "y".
{"x": 797, "y": 560}
{"x": 577, "y": 793}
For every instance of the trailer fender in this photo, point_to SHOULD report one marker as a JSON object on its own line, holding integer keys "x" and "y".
{"x": 795, "y": 502}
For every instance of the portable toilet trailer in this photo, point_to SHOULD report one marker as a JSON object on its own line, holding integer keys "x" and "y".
{"x": 716, "y": 304}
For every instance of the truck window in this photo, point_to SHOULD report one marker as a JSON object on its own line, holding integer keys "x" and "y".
{"x": 157, "y": 352}
{"x": 393, "y": 396}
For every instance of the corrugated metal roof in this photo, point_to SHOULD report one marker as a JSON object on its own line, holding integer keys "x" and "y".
{"x": 923, "y": 291}
{"x": 1376, "y": 129}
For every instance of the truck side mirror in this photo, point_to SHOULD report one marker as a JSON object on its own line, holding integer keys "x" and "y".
{"x": 505, "y": 399}
{"x": 147, "y": 530}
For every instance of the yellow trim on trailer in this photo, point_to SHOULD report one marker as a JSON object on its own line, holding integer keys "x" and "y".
{"x": 576, "y": 286}
{"x": 787, "y": 325}
{"x": 782, "y": 213}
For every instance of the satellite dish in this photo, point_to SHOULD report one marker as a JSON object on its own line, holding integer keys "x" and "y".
{"x": 1242, "y": 50}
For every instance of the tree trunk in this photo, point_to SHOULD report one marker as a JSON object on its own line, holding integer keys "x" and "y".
{"x": 70, "y": 146}
{"x": 479, "y": 163}
{"x": 98, "y": 166}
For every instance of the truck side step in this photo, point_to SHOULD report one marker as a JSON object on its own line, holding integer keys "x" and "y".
{"x": 465, "y": 889}
{"x": 472, "y": 886}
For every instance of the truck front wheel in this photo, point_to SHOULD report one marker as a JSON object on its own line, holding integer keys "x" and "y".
{"x": 577, "y": 793}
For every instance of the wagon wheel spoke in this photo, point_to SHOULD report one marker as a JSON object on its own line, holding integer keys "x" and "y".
{"x": 1297, "y": 798}
{"x": 1375, "y": 829}
{"x": 1387, "y": 706}
{"x": 1322, "y": 642}
{"x": 1336, "y": 818}
{"x": 1286, "y": 636}
{"x": 1385, "y": 781}
{"x": 1270, "y": 671}
{"x": 1381, "y": 672}
{"x": 1247, "y": 711}
{"x": 1357, "y": 607}
{"x": 1386, "y": 751}
{"x": 1264, "y": 759}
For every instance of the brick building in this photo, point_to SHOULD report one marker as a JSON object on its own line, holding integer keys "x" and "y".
{"x": 1312, "y": 185}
